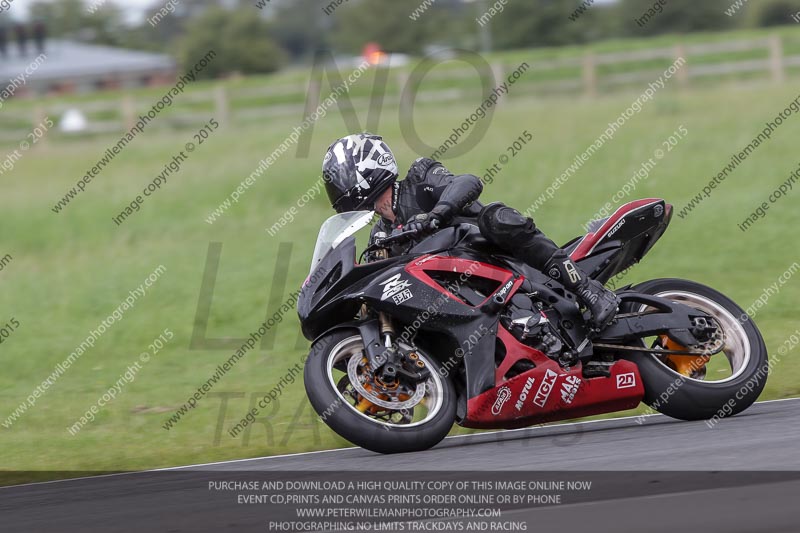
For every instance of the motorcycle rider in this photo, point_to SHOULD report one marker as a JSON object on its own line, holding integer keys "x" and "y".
{"x": 360, "y": 173}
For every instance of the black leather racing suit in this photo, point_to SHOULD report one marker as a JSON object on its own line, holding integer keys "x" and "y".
{"x": 430, "y": 187}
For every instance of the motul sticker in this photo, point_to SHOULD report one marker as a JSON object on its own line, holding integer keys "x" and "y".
{"x": 626, "y": 381}
{"x": 503, "y": 396}
{"x": 545, "y": 388}
{"x": 524, "y": 394}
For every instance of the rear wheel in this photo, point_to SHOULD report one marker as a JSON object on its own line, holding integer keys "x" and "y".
{"x": 382, "y": 417}
{"x": 694, "y": 387}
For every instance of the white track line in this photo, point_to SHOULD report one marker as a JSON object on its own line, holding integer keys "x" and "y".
{"x": 300, "y": 454}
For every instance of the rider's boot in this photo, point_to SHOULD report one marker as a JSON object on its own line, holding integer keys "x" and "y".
{"x": 602, "y": 303}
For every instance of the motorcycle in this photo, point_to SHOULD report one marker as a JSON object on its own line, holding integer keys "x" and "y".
{"x": 450, "y": 329}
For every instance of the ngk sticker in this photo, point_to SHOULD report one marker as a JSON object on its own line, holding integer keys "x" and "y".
{"x": 569, "y": 388}
{"x": 524, "y": 394}
{"x": 503, "y": 396}
{"x": 545, "y": 388}
{"x": 626, "y": 381}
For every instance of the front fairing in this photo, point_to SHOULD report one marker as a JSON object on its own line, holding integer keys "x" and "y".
{"x": 337, "y": 285}
{"x": 330, "y": 295}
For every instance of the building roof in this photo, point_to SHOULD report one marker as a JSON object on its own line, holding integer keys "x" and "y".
{"x": 70, "y": 60}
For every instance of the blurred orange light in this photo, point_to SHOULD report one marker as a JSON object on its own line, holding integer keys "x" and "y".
{"x": 373, "y": 54}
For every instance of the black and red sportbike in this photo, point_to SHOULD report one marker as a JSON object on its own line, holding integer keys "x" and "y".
{"x": 452, "y": 330}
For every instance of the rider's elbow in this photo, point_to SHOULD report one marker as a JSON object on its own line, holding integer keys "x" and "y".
{"x": 473, "y": 186}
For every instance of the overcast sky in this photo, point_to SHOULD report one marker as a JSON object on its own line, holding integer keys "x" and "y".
{"x": 133, "y": 8}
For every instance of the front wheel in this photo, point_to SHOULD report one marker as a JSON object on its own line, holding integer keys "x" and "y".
{"x": 703, "y": 387}
{"x": 385, "y": 418}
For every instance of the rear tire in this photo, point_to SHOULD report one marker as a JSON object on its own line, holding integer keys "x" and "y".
{"x": 687, "y": 398}
{"x": 339, "y": 414}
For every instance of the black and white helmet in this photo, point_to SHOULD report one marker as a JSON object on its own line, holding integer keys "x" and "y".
{"x": 357, "y": 169}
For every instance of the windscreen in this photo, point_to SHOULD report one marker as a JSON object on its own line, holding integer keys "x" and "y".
{"x": 335, "y": 230}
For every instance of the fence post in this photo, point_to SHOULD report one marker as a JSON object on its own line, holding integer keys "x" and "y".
{"x": 128, "y": 112}
{"x": 222, "y": 109}
{"x": 589, "y": 75}
{"x": 683, "y": 72}
{"x": 402, "y": 81}
{"x": 499, "y": 76}
{"x": 39, "y": 117}
{"x": 314, "y": 93}
{"x": 776, "y": 58}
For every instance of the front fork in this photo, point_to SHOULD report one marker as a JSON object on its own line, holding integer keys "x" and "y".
{"x": 391, "y": 359}
{"x": 389, "y": 369}
{"x": 387, "y": 359}
{"x": 386, "y": 364}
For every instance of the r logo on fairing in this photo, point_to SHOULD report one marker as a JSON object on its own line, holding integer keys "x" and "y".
{"x": 393, "y": 286}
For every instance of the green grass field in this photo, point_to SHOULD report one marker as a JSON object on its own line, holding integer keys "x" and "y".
{"x": 71, "y": 270}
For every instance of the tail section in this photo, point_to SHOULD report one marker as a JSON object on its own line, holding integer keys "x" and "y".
{"x": 616, "y": 243}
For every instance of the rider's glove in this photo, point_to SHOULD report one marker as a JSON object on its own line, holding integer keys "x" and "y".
{"x": 423, "y": 224}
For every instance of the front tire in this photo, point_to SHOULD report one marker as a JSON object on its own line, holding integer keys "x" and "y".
{"x": 337, "y": 404}
{"x": 707, "y": 394}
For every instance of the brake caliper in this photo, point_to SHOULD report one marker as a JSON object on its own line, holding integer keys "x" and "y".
{"x": 687, "y": 365}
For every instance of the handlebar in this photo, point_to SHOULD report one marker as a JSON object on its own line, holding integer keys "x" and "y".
{"x": 397, "y": 237}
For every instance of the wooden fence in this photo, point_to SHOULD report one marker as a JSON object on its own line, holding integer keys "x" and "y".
{"x": 588, "y": 76}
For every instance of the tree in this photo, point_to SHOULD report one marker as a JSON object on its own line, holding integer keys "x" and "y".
{"x": 70, "y": 19}
{"x": 774, "y": 12}
{"x": 386, "y": 22}
{"x": 677, "y": 16}
{"x": 541, "y": 23}
{"x": 300, "y": 27}
{"x": 146, "y": 36}
{"x": 240, "y": 40}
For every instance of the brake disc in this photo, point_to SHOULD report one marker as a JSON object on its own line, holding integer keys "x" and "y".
{"x": 716, "y": 342}
{"x": 355, "y": 380}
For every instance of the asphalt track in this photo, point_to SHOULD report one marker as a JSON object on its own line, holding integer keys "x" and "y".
{"x": 651, "y": 474}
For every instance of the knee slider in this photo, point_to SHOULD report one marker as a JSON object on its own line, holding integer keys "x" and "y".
{"x": 485, "y": 217}
{"x": 499, "y": 219}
